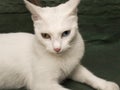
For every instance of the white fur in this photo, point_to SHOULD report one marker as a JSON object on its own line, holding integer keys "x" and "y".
{"x": 29, "y": 60}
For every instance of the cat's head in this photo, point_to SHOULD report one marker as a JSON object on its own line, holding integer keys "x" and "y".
{"x": 55, "y": 27}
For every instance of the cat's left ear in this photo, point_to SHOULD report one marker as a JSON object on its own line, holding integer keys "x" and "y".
{"x": 34, "y": 9}
{"x": 70, "y": 7}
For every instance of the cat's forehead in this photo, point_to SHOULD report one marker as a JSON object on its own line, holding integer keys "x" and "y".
{"x": 54, "y": 26}
{"x": 52, "y": 14}
{"x": 54, "y": 18}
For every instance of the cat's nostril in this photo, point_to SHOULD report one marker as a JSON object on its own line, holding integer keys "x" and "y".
{"x": 57, "y": 49}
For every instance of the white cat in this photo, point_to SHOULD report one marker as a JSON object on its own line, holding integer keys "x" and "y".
{"x": 43, "y": 60}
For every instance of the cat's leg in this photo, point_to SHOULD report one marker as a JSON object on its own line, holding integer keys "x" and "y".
{"x": 81, "y": 74}
{"x": 48, "y": 86}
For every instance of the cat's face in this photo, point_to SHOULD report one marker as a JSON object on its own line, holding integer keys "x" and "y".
{"x": 55, "y": 27}
{"x": 56, "y": 32}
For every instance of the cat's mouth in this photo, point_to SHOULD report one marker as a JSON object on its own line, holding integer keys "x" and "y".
{"x": 56, "y": 53}
{"x": 60, "y": 52}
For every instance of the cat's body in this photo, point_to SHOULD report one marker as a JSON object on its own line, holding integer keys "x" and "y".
{"x": 43, "y": 60}
{"x": 22, "y": 58}
{"x": 15, "y": 59}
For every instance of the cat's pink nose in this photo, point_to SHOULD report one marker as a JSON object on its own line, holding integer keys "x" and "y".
{"x": 57, "y": 49}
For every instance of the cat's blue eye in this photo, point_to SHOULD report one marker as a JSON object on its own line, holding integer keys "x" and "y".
{"x": 66, "y": 33}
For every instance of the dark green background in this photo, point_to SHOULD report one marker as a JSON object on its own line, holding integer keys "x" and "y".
{"x": 99, "y": 23}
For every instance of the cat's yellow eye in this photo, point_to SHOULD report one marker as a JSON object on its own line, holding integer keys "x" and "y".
{"x": 45, "y": 35}
{"x": 65, "y": 33}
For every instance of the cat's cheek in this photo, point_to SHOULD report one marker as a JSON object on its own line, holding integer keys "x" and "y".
{"x": 48, "y": 47}
{"x": 51, "y": 50}
{"x": 65, "y": 47}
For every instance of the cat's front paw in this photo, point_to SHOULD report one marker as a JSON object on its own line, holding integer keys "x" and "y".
{"x": 110, "y": 86}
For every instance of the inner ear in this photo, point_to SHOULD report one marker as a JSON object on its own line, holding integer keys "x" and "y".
{"x": 74, "y": 12}
{"x": 35, "y": 17}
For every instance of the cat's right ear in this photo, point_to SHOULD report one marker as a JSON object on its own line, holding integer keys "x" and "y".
{"x": 34, "y": 9}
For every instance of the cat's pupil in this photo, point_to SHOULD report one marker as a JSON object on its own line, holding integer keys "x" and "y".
{"x": 45, "y": 35}
{"x": 65, "y": 33}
